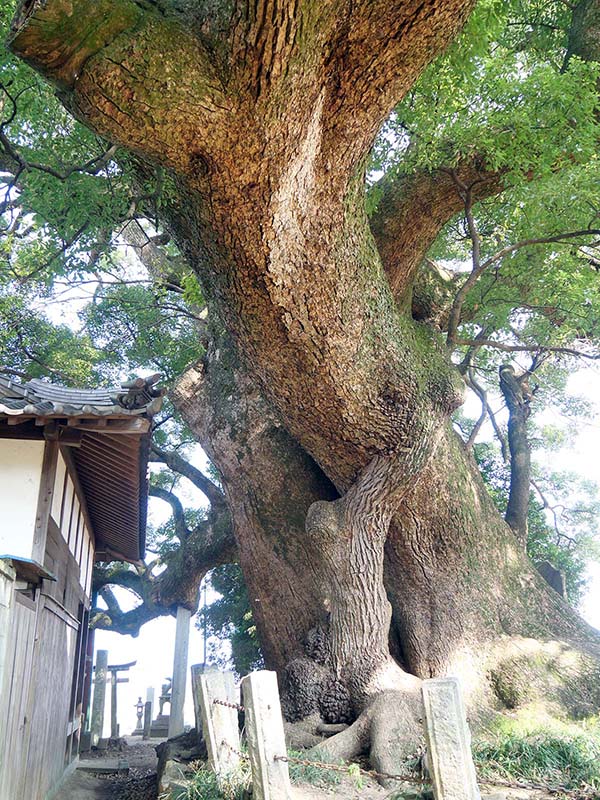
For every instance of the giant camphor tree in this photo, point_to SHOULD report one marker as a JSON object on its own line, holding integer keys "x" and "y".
{"x": 373, "y": 555}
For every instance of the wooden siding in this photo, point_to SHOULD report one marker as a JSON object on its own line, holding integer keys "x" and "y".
{"x": 16, "y": 690}
{"x": 54, "y": 656}
{"x": 70, "y": 519}
{"x": 43, "y": 682}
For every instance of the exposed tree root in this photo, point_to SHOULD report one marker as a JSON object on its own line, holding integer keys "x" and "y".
{"x": 390, "y": 730}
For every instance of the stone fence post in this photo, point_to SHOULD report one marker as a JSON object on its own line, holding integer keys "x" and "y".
{"x": 266, "y": 739}
{"x": 448, "y": 741}
{"x": 220, "y": 722}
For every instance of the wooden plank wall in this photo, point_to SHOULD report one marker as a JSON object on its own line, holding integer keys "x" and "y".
{"x": 45, "y": 651}
{"x": 51, "y": 689}
{"x": 69, "y": 515}
{"x": 17, "y": 723}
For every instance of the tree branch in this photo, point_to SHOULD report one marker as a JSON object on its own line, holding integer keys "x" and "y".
{"x": 472, "y": 383}
{"x": 414, "y": 208}
{"x": 181, "y": 530}
{"x": 370, "y": 40}
{"x": 178, "y": 464}
{"x": 479, "y": 267}
{"x": 209, "y": 544}
{"x": 479, "y": 390}
{"x": 107, "y": 59}
{"x": 521, "y": 348}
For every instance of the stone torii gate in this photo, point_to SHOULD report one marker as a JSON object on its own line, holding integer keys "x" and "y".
{"x": 100, "y": 681}
{"x": 114, "y": 680}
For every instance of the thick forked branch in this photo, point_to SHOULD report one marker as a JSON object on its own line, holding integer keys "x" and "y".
{"x": 181, "y": 528}
{"x": 209, "y": 544}
{"x": 414, "y": 208}
{"x": 378, "y": 50}
{"x": 108, "y": 60}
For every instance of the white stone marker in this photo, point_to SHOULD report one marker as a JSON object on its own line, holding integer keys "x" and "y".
{"x": 448, "y": 741}
{"x": 220, "y": 723}
{"x": 266, "y": 739}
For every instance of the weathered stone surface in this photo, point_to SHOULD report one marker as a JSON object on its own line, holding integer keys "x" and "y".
{"x": 448, "y": 741}
{"x": 219, "y": 722}
{"x": 553, "y": 577}
{"x": 266, "y": 740}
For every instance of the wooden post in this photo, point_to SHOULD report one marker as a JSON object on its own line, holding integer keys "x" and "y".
{"x": 448, "y": 741}
{"x": 50, "y": 460}
{"x": 114, "y": 728}
{"x": 266, "y": 739}
{"x": 97, "y": 722}
{"x": 220, "y": 723}
{"x": 147, "y": 719}
{"x": 182, "y": 637}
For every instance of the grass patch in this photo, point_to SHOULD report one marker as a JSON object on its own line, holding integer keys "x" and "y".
{"x": 557, "y": 754}
{"x": 315, "y": 775}
{"x": 204, "y": 785}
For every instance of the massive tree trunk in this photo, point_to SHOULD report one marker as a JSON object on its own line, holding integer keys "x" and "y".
{"x": 353, "y": 504}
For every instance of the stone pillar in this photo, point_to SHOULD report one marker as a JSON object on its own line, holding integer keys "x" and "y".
{"x": 220, "y": 722}
{"x": 147, "y": 719}
{"x": 266, "y": 739}
{"x": 197, "y": 671}
{"x": 99, "y": 697}
{"x": 114, "y": 727}
{"x": 180, "y": 660}
{"x": 150, "y": 698}
{"x": 448, "y": 741}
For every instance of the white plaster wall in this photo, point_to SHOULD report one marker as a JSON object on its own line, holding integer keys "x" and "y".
{"x": 57, "y": 495}
{"x": 20, "y": 474}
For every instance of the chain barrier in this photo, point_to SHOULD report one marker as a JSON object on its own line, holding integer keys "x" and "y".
{"x": 352, "y": 770}
{"x": 576, "y": 794}
{"x": 225, "y": 703}
{"x": 243, "y": 756}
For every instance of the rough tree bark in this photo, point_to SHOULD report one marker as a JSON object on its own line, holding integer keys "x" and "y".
{"x": 264, "y": 121}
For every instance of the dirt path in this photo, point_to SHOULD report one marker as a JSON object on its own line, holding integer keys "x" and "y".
{"x": 139, "y": 784}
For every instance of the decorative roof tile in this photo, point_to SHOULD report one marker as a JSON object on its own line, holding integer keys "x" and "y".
{"x": 41, "y": 399}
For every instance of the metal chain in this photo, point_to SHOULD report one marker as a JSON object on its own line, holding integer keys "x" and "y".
{"x": 352, "y": 770}
{"x": 576, "y": 794}
{"x": 225, "y": 703}
{"x": 243, "y": 756}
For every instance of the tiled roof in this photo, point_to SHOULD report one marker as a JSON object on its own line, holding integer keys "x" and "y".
{"x": 41, "y": 399}
{"x": 110, "y": 455}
